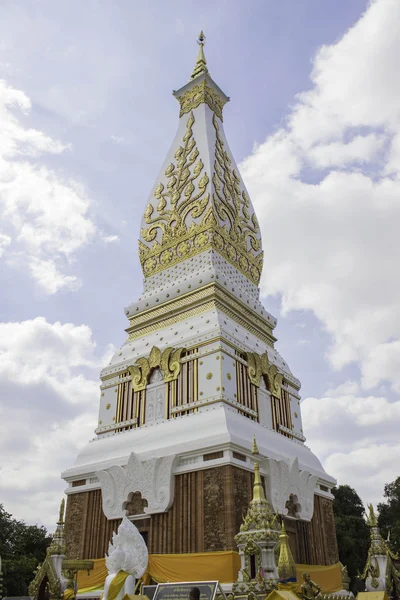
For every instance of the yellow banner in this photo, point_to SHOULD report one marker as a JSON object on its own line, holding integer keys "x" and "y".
{"x": 203, "y": 566}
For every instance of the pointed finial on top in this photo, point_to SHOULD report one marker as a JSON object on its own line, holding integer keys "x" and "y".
{"x": 258, "y": 490}
{"x": 286, "y": 564}
{"x": 201, "y": 63}
{"x": 372, "y": 521}
{"x": 61, "y": 515}
{"x": 254, "y": 448}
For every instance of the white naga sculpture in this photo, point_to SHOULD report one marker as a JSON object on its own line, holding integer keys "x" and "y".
{"x": 126, "y": 561}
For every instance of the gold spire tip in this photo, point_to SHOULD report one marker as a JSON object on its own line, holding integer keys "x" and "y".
{"x": 258, "y": 490}
{"x": 254, "y": 448}
{"x": 62, "y": 510}
{"x": 201, "y": 63}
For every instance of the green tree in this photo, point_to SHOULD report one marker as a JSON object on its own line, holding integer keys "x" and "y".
{"x": 389, "y": 513}
{"x": 351, "y": 529}
{"x": 22, "y": 548}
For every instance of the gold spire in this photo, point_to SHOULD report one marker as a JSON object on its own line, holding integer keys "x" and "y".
{"x": 371, "y": 518}
{"x": 57, "y": 545}
{"x": 201, "y": 63}
{"x": 258, "y": 490}
{"x": 61, "y": 515}
{"x": 286, "y": 564}
{"x": 254, "y": 449}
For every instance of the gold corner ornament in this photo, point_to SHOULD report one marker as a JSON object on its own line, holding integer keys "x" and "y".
{"x": 201, "y": 94}
{"x": 187, "y": 221}
{"x": 168, "y": 361}
{"x": 259, "y": 365}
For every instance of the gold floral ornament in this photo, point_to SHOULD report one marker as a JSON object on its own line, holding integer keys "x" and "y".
{"x": 176, "y": 201}
{"x": 259, "y": 365}
{"x": 168, "y": 361}
{"x": 232, "y": 204}
{"x": 193, "y": 212}
{"x": 201, "y": 94}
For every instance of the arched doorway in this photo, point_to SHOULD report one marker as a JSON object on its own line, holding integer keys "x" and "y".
{"x": 44, "y": 592}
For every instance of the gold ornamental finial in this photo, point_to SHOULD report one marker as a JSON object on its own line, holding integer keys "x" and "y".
{"x": 258, "y": 490}
{"x": 254, "y": 448}
{"x": 371, "y": 518}
{"x": 286, "y": 564}
{"x": 201, "y": 63}
{"x": 61, "y": 515}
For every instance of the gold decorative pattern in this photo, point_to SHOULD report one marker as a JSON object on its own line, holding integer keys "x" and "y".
{"x": 233, "y": 205}
{"x": 171, "y": 320}
{"x": 168, "y": 360}
{"x": 259, "y": 365}
{"x": 185, "y": 221}
{"x": 175, "y": 203}
{"x": 222, "y": 300}
{"x": 201, "y": 94}
{"x": 170, "y": 305}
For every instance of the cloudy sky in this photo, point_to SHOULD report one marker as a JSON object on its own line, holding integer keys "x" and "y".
{"x": 86, "y": 117}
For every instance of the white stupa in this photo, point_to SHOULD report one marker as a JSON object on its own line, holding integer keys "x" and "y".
{"x": 199, "y": 373}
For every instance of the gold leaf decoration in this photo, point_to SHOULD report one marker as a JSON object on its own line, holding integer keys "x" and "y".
{"x": 259, "y": 365}
{"x": 192, "y": 215}
{"x": 168, "y": 361}
{"x": 201, "y": 94}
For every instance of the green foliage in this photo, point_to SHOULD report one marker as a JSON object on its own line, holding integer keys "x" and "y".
{"x": 351, "y": 529}
{"x": 389, "y": 514}
{"x": 22, "y": 548}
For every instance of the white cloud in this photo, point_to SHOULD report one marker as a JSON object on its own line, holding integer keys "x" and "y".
{"x": 47, "y": 216}
{"x": 47, "y": 275}
{"x": 356, "y": 437}
{"x": 52, "y": 369}
{"x": 361, "y": 149}
{"x": 326, "y": 188}
{"x": 110, "y": 239}
{"x": 5, "y": 241}
{"x": 36, "y": 352}
{"x": 117, "y": 139}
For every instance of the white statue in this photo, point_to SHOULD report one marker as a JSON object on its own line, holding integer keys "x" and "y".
{"x": 126, "y": 561}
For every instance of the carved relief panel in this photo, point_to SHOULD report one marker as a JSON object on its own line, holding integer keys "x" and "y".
{"x": 291, "y": 489}
{"x": 154, "y": 479}
{"x": 155, "y": 398}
